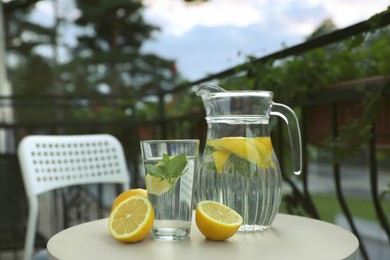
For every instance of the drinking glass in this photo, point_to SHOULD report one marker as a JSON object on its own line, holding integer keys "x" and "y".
{"x": 170, "y": 167}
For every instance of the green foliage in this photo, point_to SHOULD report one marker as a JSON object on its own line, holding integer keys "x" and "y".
{"x": 106, "y": 59}
{"x": 36, "y": 65}
{"x": 111, "y": 55}
{"x": 23, "y": 38}
{"x": 356, "y": 131}
{"x": 328, "y": 207}
{"x": 107, "y": 52}
{"x": 300, "y": 77}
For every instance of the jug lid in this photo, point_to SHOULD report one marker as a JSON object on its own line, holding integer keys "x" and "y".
{"x": 207, "y": 90}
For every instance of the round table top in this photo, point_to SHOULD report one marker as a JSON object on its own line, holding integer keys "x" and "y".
{"x": 290, "y": 237}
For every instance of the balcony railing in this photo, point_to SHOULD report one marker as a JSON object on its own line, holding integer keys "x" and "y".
{"x": 321, "y": 116}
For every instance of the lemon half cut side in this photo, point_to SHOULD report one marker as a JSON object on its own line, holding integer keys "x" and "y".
{"x": 132, "y": 219}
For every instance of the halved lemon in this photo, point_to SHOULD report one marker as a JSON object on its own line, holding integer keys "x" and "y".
{"x": 216, "y": 221}
{"x": 132, "y": 219}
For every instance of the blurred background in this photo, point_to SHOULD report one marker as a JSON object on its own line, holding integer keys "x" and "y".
{"x": 130, "y": 68}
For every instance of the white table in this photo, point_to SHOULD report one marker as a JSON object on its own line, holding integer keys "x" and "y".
{"x": 291, "y": 237}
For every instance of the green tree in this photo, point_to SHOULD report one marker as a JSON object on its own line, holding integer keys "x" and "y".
{"x": 108, "y": 56}
{"x": 301, "y": 76}
{"x": 23, "y": 38}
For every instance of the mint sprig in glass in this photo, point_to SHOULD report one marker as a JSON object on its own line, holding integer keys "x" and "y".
{"x": 170, "y": 169}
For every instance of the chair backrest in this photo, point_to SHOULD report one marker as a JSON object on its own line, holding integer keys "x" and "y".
{"x": 50, "y": 162}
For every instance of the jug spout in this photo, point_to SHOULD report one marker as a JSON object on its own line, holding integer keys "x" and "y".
{"x": 206, "y": 89}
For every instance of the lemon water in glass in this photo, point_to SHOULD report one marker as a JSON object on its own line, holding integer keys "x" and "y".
{"x": 170, "y": 188}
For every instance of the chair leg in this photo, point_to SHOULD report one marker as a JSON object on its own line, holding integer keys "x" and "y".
{"x": 31, "y": 228}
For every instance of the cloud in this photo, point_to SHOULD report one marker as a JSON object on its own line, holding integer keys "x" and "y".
{"x": 208, "y": 38}
{"x": 348, "y": 12}
{"x": 179, "y": 18}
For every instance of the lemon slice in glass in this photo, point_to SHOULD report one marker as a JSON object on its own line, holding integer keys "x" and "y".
{"x": 156, "y": 185}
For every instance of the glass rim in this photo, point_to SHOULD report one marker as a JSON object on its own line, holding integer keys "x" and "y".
{"x": 170, "y": 141}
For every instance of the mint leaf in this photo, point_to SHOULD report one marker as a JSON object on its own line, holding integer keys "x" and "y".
{"x": 154, "y": 170}
{"x": 170, "y": 168}
{"x": 176, "y": 165}
{"x": 165, "y": 159}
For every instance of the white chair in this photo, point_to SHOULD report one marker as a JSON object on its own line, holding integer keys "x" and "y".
{"x": 51, "y": 162}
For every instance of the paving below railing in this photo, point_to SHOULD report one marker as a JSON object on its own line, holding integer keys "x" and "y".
{"x": 355, "y": 180}
{"x": 372, "y": 234}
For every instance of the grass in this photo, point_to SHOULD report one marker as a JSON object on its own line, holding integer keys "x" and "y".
{"x": 328, "y": 207}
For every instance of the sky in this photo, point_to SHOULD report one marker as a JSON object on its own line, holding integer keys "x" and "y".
{"x": 210, "y": 37}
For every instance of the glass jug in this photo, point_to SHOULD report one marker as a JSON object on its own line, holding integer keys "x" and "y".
{"x": 238, "y": 167}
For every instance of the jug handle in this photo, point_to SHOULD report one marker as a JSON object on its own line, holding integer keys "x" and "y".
{"x": 288, "y": 115}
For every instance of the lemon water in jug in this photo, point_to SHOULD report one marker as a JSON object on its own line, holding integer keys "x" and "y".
{"x": 238, "y": 166}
